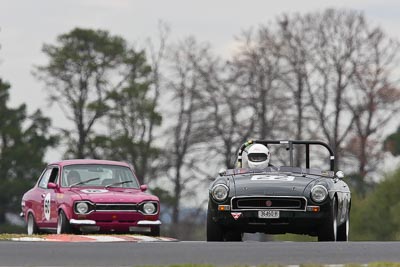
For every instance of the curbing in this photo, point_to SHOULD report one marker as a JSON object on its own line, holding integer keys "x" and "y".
{"x": 94, "y": 238}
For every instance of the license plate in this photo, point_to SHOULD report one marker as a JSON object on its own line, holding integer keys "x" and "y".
{"x": 268, "y": 214}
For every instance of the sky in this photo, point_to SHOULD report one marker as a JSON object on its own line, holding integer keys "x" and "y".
{"x": 26, "y": 25}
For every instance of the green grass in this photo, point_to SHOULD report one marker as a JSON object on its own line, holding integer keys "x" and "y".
{"x": 9, "y": 236}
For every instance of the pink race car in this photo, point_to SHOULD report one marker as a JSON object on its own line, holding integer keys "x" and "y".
{"x": 74, "y": 196}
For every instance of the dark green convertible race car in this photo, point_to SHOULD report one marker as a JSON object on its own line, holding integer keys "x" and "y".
{"x": 287, "y": 197}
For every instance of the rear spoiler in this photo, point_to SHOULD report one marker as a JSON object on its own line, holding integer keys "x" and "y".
{"x": 290, "y": 144}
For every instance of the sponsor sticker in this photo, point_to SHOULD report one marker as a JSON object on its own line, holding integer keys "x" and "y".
{"x": 236, "y": 215}
{"x": 264, "y": 177}
{"x": 94, "y": 191}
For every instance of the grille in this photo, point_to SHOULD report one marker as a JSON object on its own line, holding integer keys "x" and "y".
{"x": 116, "y": 207}
{"x": 281, "y": 203}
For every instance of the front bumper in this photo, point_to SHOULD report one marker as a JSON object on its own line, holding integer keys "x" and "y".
{"x": 119, "y": 222}
{"x": 92, "y": 222}
{"x": 305, "y": 220}
{"x": 298, "y": 222}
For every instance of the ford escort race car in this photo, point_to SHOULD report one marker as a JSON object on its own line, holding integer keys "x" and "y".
{"x": 287, "y": 197}
{"x": 75, "y": 196}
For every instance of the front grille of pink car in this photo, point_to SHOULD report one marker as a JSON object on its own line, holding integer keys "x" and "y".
{"x": 116, "y": 207}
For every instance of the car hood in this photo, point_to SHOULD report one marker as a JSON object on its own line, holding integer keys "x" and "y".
{"x": 117, "y": 195}
{"x": 271, "y": 184}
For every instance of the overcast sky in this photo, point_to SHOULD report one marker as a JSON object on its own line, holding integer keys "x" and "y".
{"x": 26, "y": 25}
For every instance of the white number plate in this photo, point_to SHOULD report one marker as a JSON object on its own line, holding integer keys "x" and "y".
{"x": 268, "y": 214}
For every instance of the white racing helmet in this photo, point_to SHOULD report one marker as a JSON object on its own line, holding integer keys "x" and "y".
{"x": 258, "y": 156}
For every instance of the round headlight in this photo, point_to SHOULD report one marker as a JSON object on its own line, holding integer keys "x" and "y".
{"x": 319, "y": 193}
{"x": 82, "y": 207}
{"x": 149, "y": 208}
{"x": 220, "y": 192}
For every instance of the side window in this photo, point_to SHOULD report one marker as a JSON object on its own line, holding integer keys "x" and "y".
{"x": 54, "y": 175}
{"x": 45, "y": 179}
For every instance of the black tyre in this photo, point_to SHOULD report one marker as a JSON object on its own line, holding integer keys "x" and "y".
{"x": 31, "y": 226}
{"x": 215, "y": 232}
{"x": 343, "y": 230}
{"x": 63, "y": 226}
{"x": 155, "y": 231}
{"x": 328, "y": 230}
{"x": 234, "y": 236}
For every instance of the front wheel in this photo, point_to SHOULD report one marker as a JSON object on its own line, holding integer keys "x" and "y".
{"x": 234, "y": 236}
{"x": 328, "y": 230}
{"x": 155, "y": 231}
{"x": 215, "y": 232}
{"x": 63, "y": 226}
{"x": 31, "y": 226}
{"x": 343, "y": 230}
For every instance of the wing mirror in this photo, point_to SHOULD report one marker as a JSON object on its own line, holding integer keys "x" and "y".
{"x": 222, "y": 172}
{"x": 52, "y": 186}
{"x": 143, "y": 187}
{"x": 340, "y": 174}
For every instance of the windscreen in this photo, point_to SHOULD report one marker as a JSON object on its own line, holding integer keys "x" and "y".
{"x": 98, "y": 175}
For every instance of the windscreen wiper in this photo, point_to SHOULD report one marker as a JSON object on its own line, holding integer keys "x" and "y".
{"x": 85, "y": 181}
{"x": 118, "y": 183}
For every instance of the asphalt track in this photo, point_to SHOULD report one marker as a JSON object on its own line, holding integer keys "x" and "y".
{"x": 150, "y": 253}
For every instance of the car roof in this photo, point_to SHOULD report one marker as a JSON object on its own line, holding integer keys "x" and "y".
{"x": 89, "y": 161}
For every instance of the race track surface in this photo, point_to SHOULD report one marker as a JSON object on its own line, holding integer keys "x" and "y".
{"x": 161, "y": 253}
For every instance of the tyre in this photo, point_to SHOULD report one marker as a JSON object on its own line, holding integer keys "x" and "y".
{"x": 215, "y": 232}
{"x": 63, "y": 226}
{"x": 343, "y": 230}
{"x": 328, "y": 230}
{"x": 155, "y": 231}
{"x": 31, "y": 226}
{"x": 234, "y": 236}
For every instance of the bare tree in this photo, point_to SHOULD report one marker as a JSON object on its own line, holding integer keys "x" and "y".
{"x": 376, "y": 97}
{"x": 334, "y": 55}
{"x": 294, "y": 40}
{"x": 227, "y": 111}
{"x": 256, "y": 70}
{"x": 188, "y": 128}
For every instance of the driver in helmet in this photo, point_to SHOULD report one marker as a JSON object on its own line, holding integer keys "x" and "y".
{"x": 258, "y": 157}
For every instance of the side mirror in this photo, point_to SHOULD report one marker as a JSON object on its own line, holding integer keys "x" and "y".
{"x": 52, "y": 186}
{"x": 143, "y": 187}
{"x": 340, "y": 174}
{"x": 222, "y": 172}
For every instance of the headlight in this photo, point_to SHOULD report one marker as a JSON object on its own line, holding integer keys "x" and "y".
{"x": 82, "y": 207}
{"x": 319, "y": 193}
{"x": 220, "y": 192}
{"x": 149, "y": 208}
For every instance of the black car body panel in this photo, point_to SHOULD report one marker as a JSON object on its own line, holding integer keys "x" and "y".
{"x": 284, "y": 189}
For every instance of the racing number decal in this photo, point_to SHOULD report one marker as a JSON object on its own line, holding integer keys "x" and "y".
{"x": 47, "y": 207}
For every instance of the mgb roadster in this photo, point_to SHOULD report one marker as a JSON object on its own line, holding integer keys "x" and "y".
{"x": 287, "y": 196}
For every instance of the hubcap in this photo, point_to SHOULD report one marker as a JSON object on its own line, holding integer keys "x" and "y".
{"x": 334, "y": 229}
{"x": 30, "y": 225}
{"x": 59, "y": 223}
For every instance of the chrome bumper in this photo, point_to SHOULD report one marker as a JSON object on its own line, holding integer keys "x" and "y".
{"x": 92, "y": 222}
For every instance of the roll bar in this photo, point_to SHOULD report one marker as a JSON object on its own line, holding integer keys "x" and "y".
{"x": 290, "y": 144}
